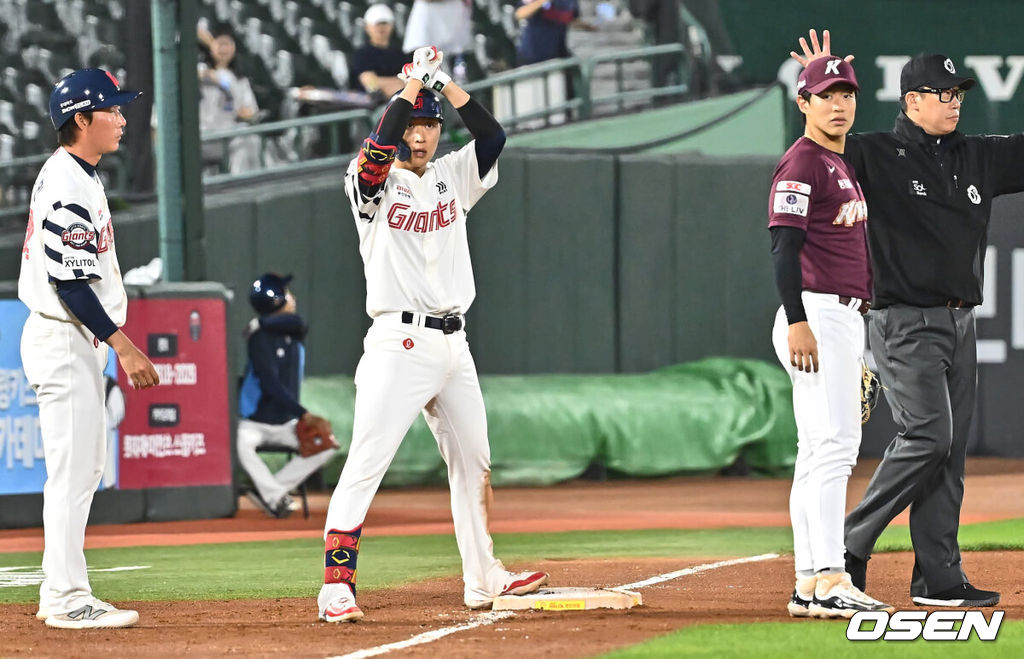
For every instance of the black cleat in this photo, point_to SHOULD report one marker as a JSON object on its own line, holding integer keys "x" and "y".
{"x": 963, "y": 595}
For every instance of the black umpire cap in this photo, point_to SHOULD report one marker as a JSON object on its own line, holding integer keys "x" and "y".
{"x": 930, "y": 70}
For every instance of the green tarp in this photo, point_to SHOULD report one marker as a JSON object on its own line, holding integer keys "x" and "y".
{"x": 694, "y": 417}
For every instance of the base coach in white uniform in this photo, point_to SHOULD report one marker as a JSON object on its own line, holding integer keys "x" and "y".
{"x": 71, "y": 283}
{"x": 411, "y": 220}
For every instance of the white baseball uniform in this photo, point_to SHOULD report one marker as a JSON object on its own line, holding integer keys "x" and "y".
{"x": 412, "y": 237}
{"x": 69, "y": 236}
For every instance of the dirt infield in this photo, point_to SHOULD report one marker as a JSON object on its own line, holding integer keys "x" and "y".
{"x": 740, "y": 593}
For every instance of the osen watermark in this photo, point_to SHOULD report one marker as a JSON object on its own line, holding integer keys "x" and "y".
{"x": 934, "y": 626}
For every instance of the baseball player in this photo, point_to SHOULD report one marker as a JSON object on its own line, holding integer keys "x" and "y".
{"x": 269, "y": 396}
{"x": 71, "y": 283}
{"x": 817, "y": 221}
{"x": 410, "y": 213}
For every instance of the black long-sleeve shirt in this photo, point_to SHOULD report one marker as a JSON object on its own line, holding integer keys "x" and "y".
{"x": 929, "y": 202}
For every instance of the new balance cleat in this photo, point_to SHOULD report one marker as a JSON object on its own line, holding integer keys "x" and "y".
{"x": 95, "y": 615}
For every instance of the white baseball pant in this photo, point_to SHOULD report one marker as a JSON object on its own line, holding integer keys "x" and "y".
{"x": 273, "y": 487}
{"x": 827, "y": 409}
{"x": 64, "y": 365}
{"x": 435, "y": 376}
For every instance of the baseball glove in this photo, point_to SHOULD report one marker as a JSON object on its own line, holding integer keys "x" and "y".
{"x": 870, "y": 389}
{"x": 315, "y": 435}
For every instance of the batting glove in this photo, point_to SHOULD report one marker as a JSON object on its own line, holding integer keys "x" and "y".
{"x": 438, "y": 81}
{"x": 425, "y": 62}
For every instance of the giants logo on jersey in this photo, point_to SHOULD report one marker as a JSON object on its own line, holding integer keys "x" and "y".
{"x": 77, "y": 236}
{"x": 402, "y": 218}
{"x": 28, "y": 234}
{"x": 106, "y": 237}
{"x": 851, "y": 212}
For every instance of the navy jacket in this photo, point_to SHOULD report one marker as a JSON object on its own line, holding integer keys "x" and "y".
{"x": 273, "y": 375}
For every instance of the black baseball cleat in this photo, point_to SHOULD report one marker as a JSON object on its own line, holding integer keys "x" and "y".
{"x": 963, "y": 595}
{"x": 857, "y": 568}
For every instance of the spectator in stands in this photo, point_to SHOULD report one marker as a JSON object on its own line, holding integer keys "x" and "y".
{"x": 442, "y": 23}
{"x": 226, "y": 100}
{"x": 662, "y": 17}
{"x": 543, "y": 37}
{"x": 376, "y": 65}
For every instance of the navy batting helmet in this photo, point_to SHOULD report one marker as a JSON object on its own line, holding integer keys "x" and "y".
{"x": 268, "y": 292}
{"x": 85, "y": 90}
{"x": 427, "y": 105}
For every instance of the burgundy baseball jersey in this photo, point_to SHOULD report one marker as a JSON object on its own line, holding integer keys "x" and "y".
{"x": 815, "y": 190}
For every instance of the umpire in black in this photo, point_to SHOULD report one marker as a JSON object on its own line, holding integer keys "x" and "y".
{"x": 929, "y": 192}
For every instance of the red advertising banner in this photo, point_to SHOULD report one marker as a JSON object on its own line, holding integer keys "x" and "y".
{"x": 177, "y": 433}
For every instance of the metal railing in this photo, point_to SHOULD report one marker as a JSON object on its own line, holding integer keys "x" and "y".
{"x": 334, "y": 121}
{"x": 578, "y": 101}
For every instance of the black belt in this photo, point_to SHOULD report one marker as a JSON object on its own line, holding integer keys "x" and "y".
{"x": 864, "y": 304}
{"x": 449, "y": 323}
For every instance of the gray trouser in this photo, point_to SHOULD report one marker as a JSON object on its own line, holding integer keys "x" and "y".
{"x": 928, "y": 363}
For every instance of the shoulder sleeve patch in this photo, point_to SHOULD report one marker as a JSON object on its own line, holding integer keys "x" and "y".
{"x": 793, "y": 186}
{"x": 790, "y": 203}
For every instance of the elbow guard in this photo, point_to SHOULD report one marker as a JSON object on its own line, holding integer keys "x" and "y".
{"x": 375, "y": 161}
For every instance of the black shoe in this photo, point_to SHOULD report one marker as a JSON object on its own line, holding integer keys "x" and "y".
{"x": 857, "y": 568}
{"x": 283, "y": 508}
{"x": 963, "y": 595}
{"x": 280, "y": 511}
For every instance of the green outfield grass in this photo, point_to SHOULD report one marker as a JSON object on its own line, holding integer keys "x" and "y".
{"x": 289, "y": 568}
{"x": 813, "y": 638}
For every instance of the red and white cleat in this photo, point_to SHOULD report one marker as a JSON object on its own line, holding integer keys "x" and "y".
{"x": 343, "y": 609}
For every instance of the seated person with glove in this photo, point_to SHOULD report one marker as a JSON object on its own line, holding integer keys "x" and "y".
{"x": 268, "y": 399}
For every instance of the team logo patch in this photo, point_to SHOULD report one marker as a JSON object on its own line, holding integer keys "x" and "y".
{"x": 77, "y": 236}
{"x": 793, "y": 186}
{"x": 974, "y": 195}
{"x": 844, "y": 184}
{"x": 408, "y": 344}
{"x": 790, "y": 203}
{"x": 948, "y": 64}
{"x": 917, "y": 188}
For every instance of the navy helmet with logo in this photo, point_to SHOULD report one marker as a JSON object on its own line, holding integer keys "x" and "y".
{"x": 85, "y": 90}
{"x": 427, "y": 105}
{"x": 268, "y": 292}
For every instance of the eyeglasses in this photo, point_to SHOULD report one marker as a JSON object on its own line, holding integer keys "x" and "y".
{"x": 945, "y": 95}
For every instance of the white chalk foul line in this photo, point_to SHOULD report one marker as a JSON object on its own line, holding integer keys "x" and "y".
{"x": 697, "y": 568}
{"x": 495, "y": 616}
{"x": 32, "y": 575}
{"x": 481, "y": 620}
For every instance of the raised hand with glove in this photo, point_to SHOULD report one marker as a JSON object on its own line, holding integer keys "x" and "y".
{"x": 426, "y": 67}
